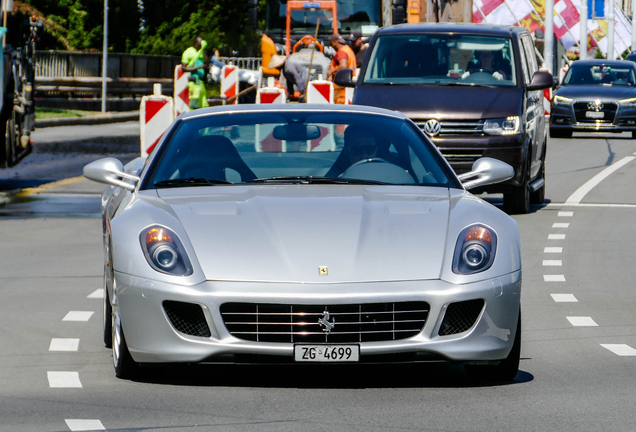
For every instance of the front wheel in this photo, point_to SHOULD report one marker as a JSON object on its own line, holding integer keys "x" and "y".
{"x": 518, "y": 200}
{"x": 506, "y": 370}
{"x": 538, "y": 196}
{"x": 125, "y": 366}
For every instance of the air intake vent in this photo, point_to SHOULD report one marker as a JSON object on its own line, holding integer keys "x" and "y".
{"x": 460, "y": 317}
{"x": 187, "y": 318}
{"x": 325, "y": 323}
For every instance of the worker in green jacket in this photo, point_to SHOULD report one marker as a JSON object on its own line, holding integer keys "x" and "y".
{"x": 197, "y": 62}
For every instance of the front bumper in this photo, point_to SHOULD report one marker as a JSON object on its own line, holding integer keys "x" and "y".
{"x": 617, "y": 118}
{"x": 152, "y": 338}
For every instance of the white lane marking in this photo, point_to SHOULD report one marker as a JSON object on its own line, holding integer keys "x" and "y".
{"x": 84, "y": 425}
{"x": 552, "y": 263}
{"x": 64, "y": 380}
{"x": 66, "y": 344}
{"x": 564, "y": 298}
{"x": 620, "y": 349}
{"x": 97, "y": 294}
{"x": 78, "y": 316}
{"x": 580, "y": 193}
{"x": 556, "y": 237}
{"x": 558, "y": 249}
{"x": 560, "y": 225}
{"x": 566, "y": 214}
{"x": 553, "y": 278}
{"x": 582, "y": 322}
{"x": 599, "y": 205}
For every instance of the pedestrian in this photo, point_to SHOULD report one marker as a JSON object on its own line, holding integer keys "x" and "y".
{"x": 196, "y": 61}
{"x": 345, "y": 58}
{"x": 358, "y": 47}
{"x": 294, "y": 73}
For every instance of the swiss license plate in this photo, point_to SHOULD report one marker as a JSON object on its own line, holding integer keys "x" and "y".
{"x": 594, "y": 114}
{"x": 326, "y": 353}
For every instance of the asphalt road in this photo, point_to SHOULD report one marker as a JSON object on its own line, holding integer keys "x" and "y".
{"x": 578, "y": 351}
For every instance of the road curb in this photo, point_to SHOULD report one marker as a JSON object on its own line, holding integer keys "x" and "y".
{"x": 88, "y": 120}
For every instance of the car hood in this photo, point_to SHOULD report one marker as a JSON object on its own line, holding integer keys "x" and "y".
{"x": 598, "y": 91}
{"x": 286, "y": 233}
{"x": 449, "y": 102}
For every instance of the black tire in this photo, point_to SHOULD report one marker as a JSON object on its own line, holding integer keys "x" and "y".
{"x": 560, "y": 133}
{"x": 506, "y": 370}
{"x": 125, "y": 366}
{"x": 633, "y": 134}
{"x": 108, "y": 317}
{"x": 518, "y": 200}
{"x": 538, "y": 196}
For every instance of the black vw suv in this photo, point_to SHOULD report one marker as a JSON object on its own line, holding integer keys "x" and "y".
{"x": 474, "y": 89}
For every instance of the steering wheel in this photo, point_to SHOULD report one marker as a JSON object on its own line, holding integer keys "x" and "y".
{"x": 307, "y": 40}
{"x": 363, "y": 162}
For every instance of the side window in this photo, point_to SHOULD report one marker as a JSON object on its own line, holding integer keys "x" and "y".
{"x": 524, "y": 63}
{"x": 532, "y": 57}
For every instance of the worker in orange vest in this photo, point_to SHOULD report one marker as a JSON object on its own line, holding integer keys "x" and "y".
{"x": 345, "y": 58}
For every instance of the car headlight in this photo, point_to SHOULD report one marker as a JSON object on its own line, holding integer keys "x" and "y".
{"x": 561, "y": 100}
{"x": 164, "y": 251}
{"x": 475, "y": 250}
{"x": 506, "y": 126}
{"x": 628, "y": 102}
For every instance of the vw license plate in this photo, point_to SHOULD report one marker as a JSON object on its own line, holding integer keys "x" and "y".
{"x": 326, "y": 353}
{"x": 595, "y": 114}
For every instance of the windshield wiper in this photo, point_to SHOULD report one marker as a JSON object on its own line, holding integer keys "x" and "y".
{"x": 454, "y": 83}
{"x": 312, "y": 179}
{"x": 191, "y": 181}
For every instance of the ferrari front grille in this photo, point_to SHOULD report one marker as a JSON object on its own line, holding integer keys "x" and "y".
{"x": 187, "y": 318}
{"x": 460, "y": 316}
{"x": 325, "y": 323}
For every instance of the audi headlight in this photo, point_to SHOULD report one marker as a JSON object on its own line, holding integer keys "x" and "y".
{"x": 505, "y": 126}
{"x": 164, "y": 251}
{"x": 560, "y": 100}
{"x": 631, "y": 102}
{"x": 475, "y": 250}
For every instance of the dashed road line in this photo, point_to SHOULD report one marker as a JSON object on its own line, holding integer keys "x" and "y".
{"x": 556, "y": 236}
{"x": 564, "y": 298}
{"x": 553, "y": 249}
{"x": 552, "y": 263}
{"x": 566, "y": 214}
{"x": 64, "y": 380}
{"x": 78, "y": 316}
{"x": 620, "y": 349}
{"x": 64, "y": 344}
{"x": 560, "y": 225}
{"x": 97, "y": 294}
{"x": 553, "y": 278}
{"x": 84, "y": 425}
{"x": 582, "y": 321}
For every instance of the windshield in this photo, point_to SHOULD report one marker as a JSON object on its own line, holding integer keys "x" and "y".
{"x": 442, "y": 59}
{"x": 599, "y": 74}
{"x": 297, "y": 147}
{"x": 352, "y": 15}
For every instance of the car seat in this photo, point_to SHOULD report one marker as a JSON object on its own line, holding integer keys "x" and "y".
{"x": 210, "y": 156}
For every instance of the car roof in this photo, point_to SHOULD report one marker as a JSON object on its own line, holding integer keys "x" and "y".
{"x": 455, "y": 28}
{"x": 593, "y": 62}
{"x": 247, "y": 108}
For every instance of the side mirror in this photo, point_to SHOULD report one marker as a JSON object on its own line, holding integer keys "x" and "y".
{"x": 111, "y": 172}
{"x": 344, "y": 78}
{"x": 486, "y": 171}
{"x": 541, "y": 80}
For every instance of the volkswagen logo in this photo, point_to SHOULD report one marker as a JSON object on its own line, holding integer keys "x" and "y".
{"x": 596, "y": 105}
{"x": 432, "y": 128}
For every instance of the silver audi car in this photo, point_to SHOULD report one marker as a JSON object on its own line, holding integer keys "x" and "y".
{"x": 303, "y": 234}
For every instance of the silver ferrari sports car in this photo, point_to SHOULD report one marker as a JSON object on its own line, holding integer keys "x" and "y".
{"x": 303, "y": 234}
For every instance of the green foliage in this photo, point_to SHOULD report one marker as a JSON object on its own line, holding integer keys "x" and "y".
{"x": 164, "y": 27}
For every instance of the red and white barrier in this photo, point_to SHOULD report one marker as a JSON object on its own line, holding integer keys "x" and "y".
{"x": 181, "y": 92}
{"x": 271, "y": 95}
{"x": 156, "y": 114}
{"x": 230, "y": 82}
{"x": 546, "y": 100}
{"x": 349, "y": 92}
{"x": 320, "y": 92}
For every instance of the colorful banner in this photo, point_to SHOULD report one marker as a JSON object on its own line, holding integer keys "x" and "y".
{"x": 531, "y": 15}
